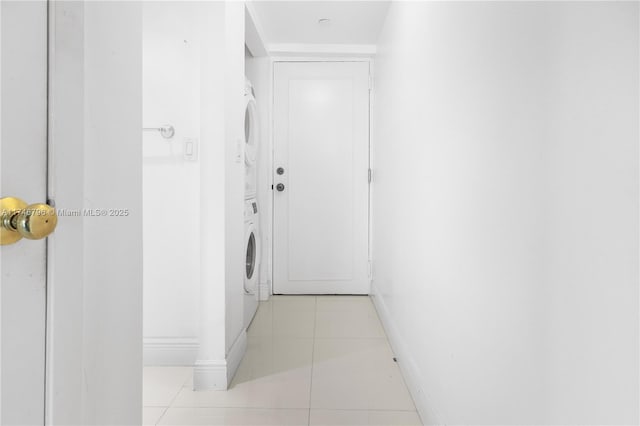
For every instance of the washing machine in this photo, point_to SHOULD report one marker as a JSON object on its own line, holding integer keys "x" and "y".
{"x": 252, "y": 256}
{"x": 251, "y": 140}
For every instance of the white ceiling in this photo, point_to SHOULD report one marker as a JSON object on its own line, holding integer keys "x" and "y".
{"x": 295, "y": 22}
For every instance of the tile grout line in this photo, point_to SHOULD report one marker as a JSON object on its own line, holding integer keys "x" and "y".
{"x": 313, "y": 350}
{"x": 174, "y": 398}
{"x": 314, "y": 339}
{"x": 162, "y": 415}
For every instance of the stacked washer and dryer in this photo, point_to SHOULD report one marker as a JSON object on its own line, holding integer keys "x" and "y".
{"x": 251, "y": 210}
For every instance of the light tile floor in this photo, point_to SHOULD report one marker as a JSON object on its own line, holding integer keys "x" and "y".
{"x": 311, "y": 360}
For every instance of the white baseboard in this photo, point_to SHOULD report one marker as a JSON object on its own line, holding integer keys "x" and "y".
{"x": 235, "y": 355}
{"x": 406, "y": 362}
{"x": 264, "y": 290}
{"x": 169, "y": 351}
{"x": 210, "y": 375}
{"x": 217, "y": 374}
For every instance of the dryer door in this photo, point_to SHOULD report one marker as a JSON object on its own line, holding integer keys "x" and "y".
{"x": 250, "y": 131}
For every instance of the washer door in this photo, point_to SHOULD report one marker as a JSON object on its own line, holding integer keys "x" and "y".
{"x": 252, "y": 259}
{"x": 250, "y": 131}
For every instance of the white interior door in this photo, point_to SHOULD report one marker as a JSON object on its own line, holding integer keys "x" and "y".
{"x": 23, "y": 171}
{"x": 321, "y": 185}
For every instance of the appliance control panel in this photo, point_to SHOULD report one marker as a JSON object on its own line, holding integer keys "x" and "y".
{"x": 250, "y": 208}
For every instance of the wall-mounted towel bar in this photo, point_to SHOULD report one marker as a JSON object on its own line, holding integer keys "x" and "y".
{"x": 167, "y": 131}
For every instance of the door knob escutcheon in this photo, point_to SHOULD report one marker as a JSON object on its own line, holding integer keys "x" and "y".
{"x": 19, "y": 220}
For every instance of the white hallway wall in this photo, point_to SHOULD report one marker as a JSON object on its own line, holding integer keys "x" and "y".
{"x": 171, "y": 94}
{"x": 505, "y": 211}
{"x": 193, "y": 211}
{"x": 234, "y": 249}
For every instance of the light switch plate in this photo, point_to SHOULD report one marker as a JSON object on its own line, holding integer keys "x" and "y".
{"x": 190, "y": 149}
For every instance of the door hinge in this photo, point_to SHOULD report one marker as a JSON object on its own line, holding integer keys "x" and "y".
{"x": 369, "y": 269}
{"x": 370, "y": 175}
{"x": 370, "y": 82}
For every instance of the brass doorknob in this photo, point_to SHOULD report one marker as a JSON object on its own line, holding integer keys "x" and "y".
{"x": 19, "y": 220}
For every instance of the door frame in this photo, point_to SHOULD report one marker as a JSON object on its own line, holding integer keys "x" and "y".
{"x": 323, "y": 58}
{"x": 93, "y": 372}
{"x": 65, "y": 93}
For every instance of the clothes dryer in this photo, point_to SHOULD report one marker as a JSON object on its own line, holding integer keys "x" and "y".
{"x": 251, "y": 140}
